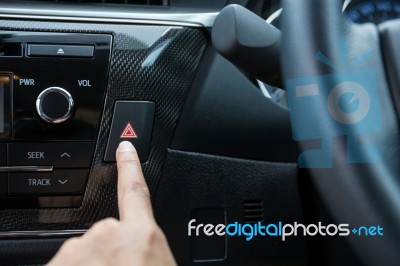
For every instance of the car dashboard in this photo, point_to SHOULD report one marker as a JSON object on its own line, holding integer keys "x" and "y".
{"x": 76, "y": 78}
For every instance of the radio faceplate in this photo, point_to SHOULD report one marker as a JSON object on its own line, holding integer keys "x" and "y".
{"x": 52, "y": 90}
{"x": 74, "y": 64}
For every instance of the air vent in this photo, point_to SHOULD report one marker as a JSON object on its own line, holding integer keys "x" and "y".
{"x": 122, "y": 2}
{"x": 253, "y": 211}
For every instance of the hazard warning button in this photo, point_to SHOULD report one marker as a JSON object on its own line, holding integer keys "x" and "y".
{"x": 129, "y": 132}
{"x": 132, "y": 121}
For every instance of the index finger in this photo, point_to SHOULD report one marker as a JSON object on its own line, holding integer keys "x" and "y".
{"x": 133, "y": 193}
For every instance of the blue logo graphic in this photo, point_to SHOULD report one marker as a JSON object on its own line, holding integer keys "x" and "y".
{"x": 351, "y": 102}
{"x": 282, "y": 230}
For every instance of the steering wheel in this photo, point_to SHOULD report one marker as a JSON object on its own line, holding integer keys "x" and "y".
{"x": 343, "y": 87}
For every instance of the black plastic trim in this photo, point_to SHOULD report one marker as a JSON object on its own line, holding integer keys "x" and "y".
{"x": 225, "y": 114}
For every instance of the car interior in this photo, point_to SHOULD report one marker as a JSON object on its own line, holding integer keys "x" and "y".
{"x": 212, "y": 95}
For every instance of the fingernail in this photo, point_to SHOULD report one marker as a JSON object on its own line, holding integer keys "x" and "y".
{"x": 125, "y": 146}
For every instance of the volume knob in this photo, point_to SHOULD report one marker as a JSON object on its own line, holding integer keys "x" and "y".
{"x": 54, "y": 105}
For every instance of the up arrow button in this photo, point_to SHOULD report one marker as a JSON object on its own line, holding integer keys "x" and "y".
{"x": 57, "y": 154}
{"x": 65, "y": 155}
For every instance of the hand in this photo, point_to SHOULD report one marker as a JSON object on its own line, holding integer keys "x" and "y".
{"x": 135, "y": 239}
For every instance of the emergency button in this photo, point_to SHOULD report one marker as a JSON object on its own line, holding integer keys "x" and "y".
{"x": 132, "y": 121}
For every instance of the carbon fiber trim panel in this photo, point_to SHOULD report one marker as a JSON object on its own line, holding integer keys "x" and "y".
{"x": 149, "y": 63}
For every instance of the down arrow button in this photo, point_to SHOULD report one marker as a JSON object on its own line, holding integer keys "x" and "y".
{"x": 62, "y": 182}
{"x": 59, "y": 182}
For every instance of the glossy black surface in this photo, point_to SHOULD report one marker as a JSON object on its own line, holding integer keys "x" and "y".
{"x": 11, "y": 49}
{"x": 3, "y": 154}
{"x": 84, "y": 78}
{"x": 3, "y": 183}
{"x": 5, "y": 98}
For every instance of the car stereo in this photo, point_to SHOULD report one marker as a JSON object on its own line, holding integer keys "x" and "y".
{"x": 52, "y": 90}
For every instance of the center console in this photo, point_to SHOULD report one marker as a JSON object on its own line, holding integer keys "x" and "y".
{"x": 70, "y": 93}
{"x": 53, "y": 87}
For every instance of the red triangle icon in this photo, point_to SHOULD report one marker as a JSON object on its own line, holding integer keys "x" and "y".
{"x": 129, "y": 132}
